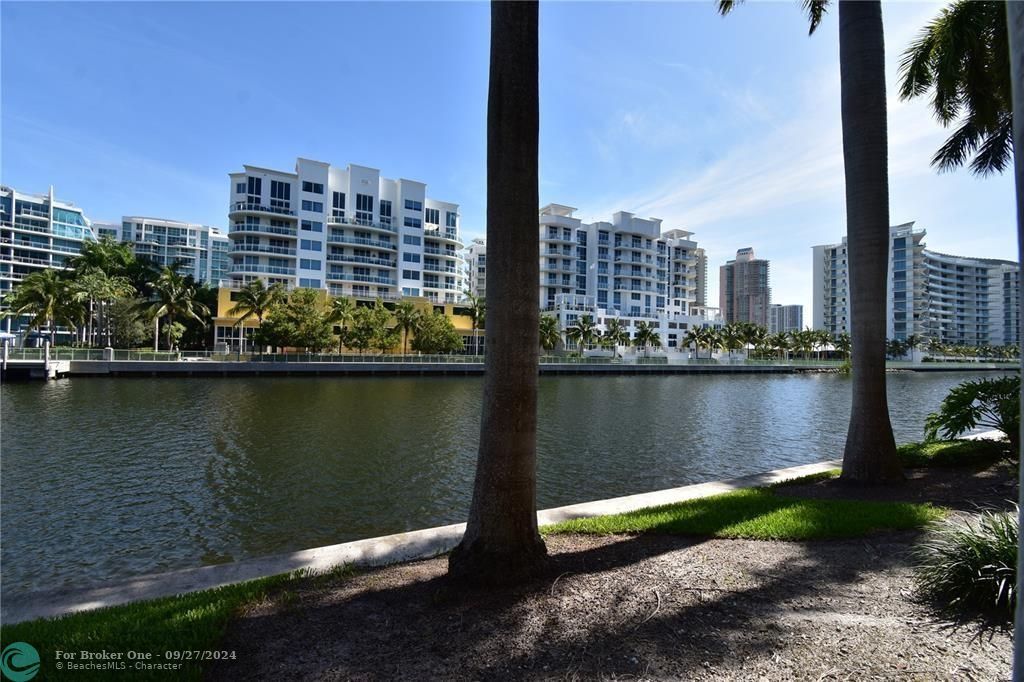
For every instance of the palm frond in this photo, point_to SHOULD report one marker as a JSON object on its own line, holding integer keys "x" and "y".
{"x": 815, "y": 10}
{"x": 996, "y": 151}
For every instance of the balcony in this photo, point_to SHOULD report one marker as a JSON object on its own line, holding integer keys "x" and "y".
{"x": 261, "y": 248}
{"x": 360, "y": 222}
{"x": 362, "y": 241}
{"x": 261, "y": 269}
{"x": 342, "y": 258}
{"x": 244, "y": 207}
{"x": 439, "y": 268}
{"x": 264, "y": 229}
{"x": 349, "y": 277}
{"x": 360, "y": 293}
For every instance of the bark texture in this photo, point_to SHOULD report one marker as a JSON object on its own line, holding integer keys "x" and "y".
{"x": 870, "y": 453}
{"x": 501, "y": 545}
{"x": 1015, "y": 27}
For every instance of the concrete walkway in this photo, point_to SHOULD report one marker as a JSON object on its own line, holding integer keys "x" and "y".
{"x": 389, "y": 549}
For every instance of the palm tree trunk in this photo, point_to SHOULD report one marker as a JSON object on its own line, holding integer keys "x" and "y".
{"x": 156, "y": 334}
{"x": 501, "y": 544}
{"x": 870, "y": 453}
{"x": 1015, "y": 26}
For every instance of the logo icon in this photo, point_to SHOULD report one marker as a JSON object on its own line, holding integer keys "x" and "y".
{"x": 19, "y": 662}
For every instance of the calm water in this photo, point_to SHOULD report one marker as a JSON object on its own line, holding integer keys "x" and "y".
{"x": 109, "y": 478}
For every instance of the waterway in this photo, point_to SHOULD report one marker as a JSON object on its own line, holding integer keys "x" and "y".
{"x": 104, "y": 478}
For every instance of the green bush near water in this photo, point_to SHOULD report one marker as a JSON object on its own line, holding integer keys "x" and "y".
{"x": 953, "y": 453}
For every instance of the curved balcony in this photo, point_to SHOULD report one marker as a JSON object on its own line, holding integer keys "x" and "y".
{"x": 449, "y": 236}
{"x": 447, "y": 269}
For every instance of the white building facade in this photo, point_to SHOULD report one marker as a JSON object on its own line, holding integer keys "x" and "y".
{"x": 955, "y": 300}
{"x": 785, "y": 318}
{"x": 347, "y": 230}
{"x": 199, "y": 250}
{"x": 626, "y": 269}
{"x": 37, "y": 232}
{"x": 476, "y": 268}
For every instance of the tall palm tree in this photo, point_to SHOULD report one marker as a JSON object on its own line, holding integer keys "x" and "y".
{"x": 615, "y": 334}
{"x": 583, "y": 331}
{"x": 501, "y": 543}
{"x": 870, "y": 451}
{"x": 477, "y": 317}
{"x": 550, "y": 333}
{"x": 111, "y": 257}
{"x": 255, "y": 299}
{"x": 913, "y": 343}
{"x": 95, "y": 286}
{"x": 174, "y": 296}
{"x": 779, "y": 342}
{"x": 1015, "y": 28}
{"x": 842, "y": 343}
{"x": 406, "y": 318}
{"x": 646, "y": 336}
{"x": 962, "y": 57}
{"x": 343, "y": 314}
{"x": 45, "y": 296}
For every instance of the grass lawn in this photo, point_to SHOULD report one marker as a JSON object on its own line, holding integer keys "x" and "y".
{"x": 760, "y": 514}
{"x": 190, "y": 622}
{"x": 952, "y": 453}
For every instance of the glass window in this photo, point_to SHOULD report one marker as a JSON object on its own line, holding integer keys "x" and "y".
{"x": 411, "y": 257}
{"x": 413, "y": 222}
{"x": 314, "y": 206}
{"x": 309, "y": 264}
{"x": 339, "y": 200}
{"x": 280, "y": 190}
{"x": 432, "y": 216}
{"x": 411, "y": 205}
{"x": 311, "y": 245}
{"x": 410, "y": 274}
{"x": 411, "y": 239}
{"x": 450, "y": 218}
{"x": 239, "y": 188}
{"x": 309, "y": 283}
{"x": 314, "y": 187}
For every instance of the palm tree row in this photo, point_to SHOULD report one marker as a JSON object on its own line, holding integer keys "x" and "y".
{"x": 84, "y": 298}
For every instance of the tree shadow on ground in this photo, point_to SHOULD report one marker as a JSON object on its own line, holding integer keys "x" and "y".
{"x": 639, "y": 606}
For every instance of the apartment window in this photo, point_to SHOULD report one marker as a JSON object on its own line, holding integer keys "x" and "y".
{"x": 432, "y": 216}
{"x": 309, "y": 283}
{"x": 385, "y": 211}
{"x": 312, "y": 226}
{"x": 311, "y": 245}
{"x": 364, "y": 207}
{"x": 412, "y": 240}
{"x": 413, "y": 222}
{"x": 411, "y": 205}
{"x": 280, "y": 194}
{"x": 410, "y": 274}
{"x": 411, "y": 257}
{"x": 338, "y": 200}
{"x": 449, "y": 219}
{"x": 406, "y": 291}
{"x": 314, "y": 206}
{"x": 309, "y": 264}
{"x": 239, "y": 188}
{"x": 314, "y": 187}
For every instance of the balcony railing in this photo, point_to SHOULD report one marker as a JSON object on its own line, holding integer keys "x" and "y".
{"x": 262, "y": 248}
{"x": 269, "y": 229}
{"x": 268, "y": 269}
{"x": 342, "y": 258}
{"x": 242, "y": 206}
{"x": 360, "y": 222}
{"x": 335, "y": 239}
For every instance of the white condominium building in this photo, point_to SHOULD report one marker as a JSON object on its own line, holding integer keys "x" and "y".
{"x": 953, "y": 299}
{"x": 347, "y": 230}
{"x": 476, "y": 268}
{"x": 785, "y": 318}
{"x": 199, "y": 250}
{"x": 37, "y": 232}
{"x": 626, "y": 269}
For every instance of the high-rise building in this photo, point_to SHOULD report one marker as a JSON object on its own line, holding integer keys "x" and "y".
{"x": 626, "y": 269}
{"x": 952, "y": 299}
{"x": 785, "y": 318}
{"x": 744, "y": 294}
{"x": 37, "y": 232}
{"x": 347, "y": 230}
{"x": 476, "y": 268}
{"x": 702, "y": 277}
{"x": 199, "y": 250}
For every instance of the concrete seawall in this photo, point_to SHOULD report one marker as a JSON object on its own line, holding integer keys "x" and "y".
{"x": 226, "y": 369}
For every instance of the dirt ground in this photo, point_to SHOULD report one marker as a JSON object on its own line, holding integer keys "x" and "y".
{"x": 639, "y": 607}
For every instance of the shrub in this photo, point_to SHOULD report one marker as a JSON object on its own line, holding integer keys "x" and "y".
{"x": 970, "y": 568}
{"x": 992, "y": 403}
{"x": 952, "y": 453}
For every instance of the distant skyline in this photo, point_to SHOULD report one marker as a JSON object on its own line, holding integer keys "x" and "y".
{"x": 728, "y": 127}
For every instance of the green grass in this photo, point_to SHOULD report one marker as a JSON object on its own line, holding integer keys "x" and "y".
{"x": 190, "y": 622}
{"x": 952, "y": 453}
{"x": 760, "y": 514}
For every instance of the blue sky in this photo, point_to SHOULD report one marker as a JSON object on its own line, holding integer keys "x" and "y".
{"x": 728, "y": 126}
